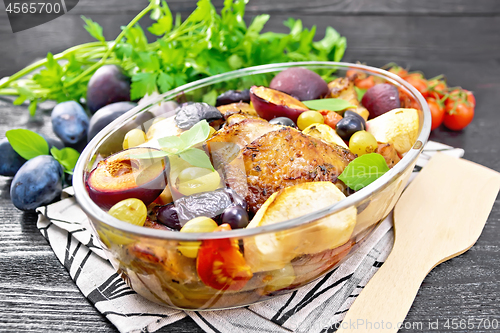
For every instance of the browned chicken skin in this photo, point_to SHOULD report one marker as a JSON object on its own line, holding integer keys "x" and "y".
{"x": 258, "y": 159}
{"x": 287, "y": 157}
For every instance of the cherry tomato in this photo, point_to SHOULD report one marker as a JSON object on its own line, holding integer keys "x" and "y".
{"x": 459, "y": 117}
{"x": 437, "y": 112}
{"x": 460, "y": 95}
{"x": 332, "y": 118}
{"x": 418, "y": 81}
{"x": 221, "y": 265}
{"x": 366, "y": 83}
{"x": 437, "y": 88}
{"x": 399, "y": 71}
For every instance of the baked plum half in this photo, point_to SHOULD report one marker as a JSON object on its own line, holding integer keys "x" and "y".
{"x": 270, "y": 103}
{"x": 123, "y": 175}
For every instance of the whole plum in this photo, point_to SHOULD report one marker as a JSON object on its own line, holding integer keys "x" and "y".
{"x": 107, "y": 85}
{"x": 301, "y": 83}
{"x": 37, "y": 182}
{"x": 381, "y": 98}
{"x": 10, "y": 161}
{"x": 106, "y": 115}
{"x": 233, "y": 96}
{"x": 70, "y": 122}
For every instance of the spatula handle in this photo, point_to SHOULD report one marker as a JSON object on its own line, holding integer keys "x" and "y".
{"x": 386, "y": 299}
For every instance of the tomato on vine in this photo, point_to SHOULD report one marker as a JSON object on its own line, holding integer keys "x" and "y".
{"x": 437, "y": 112}
{"x": 418, "y": 81}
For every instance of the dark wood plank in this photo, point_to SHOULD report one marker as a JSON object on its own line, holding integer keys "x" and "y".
{"x": 458, "y": 38}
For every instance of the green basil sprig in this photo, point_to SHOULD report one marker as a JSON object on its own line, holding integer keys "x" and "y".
{"x": 29, "y": 144}
{"x": 364, "y": 170}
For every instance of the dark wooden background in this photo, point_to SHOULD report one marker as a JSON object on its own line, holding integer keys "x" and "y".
{"x": 459, "y": 38}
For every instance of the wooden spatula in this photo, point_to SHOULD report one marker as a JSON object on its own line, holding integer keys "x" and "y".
{"x": 439, "y": 216}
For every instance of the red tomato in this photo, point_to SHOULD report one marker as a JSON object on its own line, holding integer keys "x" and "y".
{"x": 419, "y": 82}
{"x": 437, "y": 88}
{"x": 459, "y": 95}
{"x": 459, "y": 117}
{"x": 332, "y": 118}
{"x": 437, "y": 112}
{"x": 366, "y": 83}
{"x": 399, "y": 71}
{"x": 221, "y": 265}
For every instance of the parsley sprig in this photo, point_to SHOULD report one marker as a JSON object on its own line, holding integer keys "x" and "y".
{"x": 204, "y": 44}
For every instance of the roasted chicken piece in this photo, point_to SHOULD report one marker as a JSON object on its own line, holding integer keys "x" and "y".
{"x": 389, "y": 153}
{"x": 343, "y": 88}
{"x": 286, "y": 157}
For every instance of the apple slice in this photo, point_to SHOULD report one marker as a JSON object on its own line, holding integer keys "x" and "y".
{"x": 272, "y": 251}
{"x": 398, "y": 127}
{"x": 121, "y": 176}
{"x": 270, "y": 103}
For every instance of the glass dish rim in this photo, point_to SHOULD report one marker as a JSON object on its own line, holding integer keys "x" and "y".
{"x": 91, "y": 209}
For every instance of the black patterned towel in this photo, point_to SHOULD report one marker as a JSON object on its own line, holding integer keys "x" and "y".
{"x": 317, "y": 307}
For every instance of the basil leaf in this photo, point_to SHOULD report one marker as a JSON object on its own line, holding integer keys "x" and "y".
{"x": 67, "y": 157}
{"x": 27, "y": 143}
{"x": 360, "y": 93}
{"x": 364, "y": 170}
{"x": 196, "y": 134}
{"x": 171, "y": 142}
{"x": 196, "y": 157}
{"x": 331, "y": 104}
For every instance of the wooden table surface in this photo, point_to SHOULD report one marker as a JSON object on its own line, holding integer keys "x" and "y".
{"x": 458, "y": 38}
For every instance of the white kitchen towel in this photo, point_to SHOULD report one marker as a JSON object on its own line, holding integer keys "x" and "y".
{"x": 317, "y": 307}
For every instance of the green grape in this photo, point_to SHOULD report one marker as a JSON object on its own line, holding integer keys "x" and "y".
{"x": 134, "y": 138}
{"x": 196, "y": 180}
{"x": 307, "y": 118}
{"x": 198, "y": 224}
{"x": 280, "y": 278}
{"x": 362, "y": 142}
{"x": 131, "y": 210}
{"x": 212, "y": 131}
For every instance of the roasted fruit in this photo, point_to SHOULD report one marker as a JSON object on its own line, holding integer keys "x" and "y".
{"x": 167, "y": 215}
{"x": 308, "y": 118}
{"x": 233, "y": 96}
{"x": 237, "y": 108}
{"x": 107, "y": 85}
{"x": 209, "y": 204}
{"x": 362, "y": 142}
{"x": 347, "y": 126}
{"x": 398, "y": 127}
{"x": 275, "y": 250}
{"x": 283, "y": 121}
{"x": 70, "y": 122}
{"x": 122, "y": 176}
{"x": 300, "y": 83}
{"x": 381, "y": 98}
{"x": 287, "y": 157}
{"x": 106, "y": 115}
{"x": 36, "y": 183}
{"x": 130, "y": 210}
{"x": 325, "y": 133}
{"x": 189, "y": 114}
{"x": 236, "y": 216}
{"x": 270, "y": 103}
{"x": 11, "y": 161}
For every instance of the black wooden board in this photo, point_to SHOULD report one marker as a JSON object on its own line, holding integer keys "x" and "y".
{"x": 457, "y": 38}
